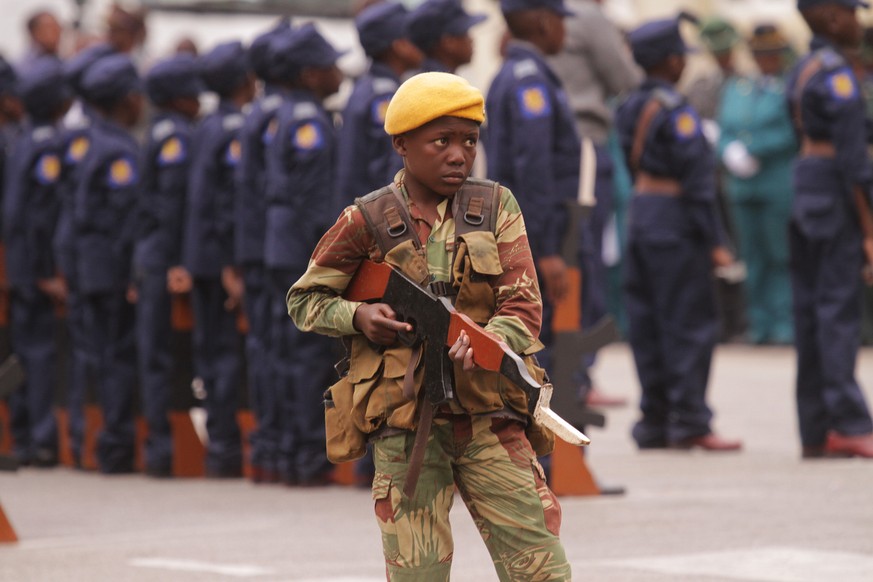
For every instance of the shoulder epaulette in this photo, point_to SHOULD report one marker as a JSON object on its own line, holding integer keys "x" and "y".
{"x": 830, "y": 59}
{"x": 232, "y": 122}
{"x": 43, "y": 133}
{"x": 163, "y": 129}
{"x": 304, "y": 110}
{"x": 384, "y": 85}
{"x": 271, "y": 103}
{"x": 525, "y": 68}
{"x": 669, "y": 100}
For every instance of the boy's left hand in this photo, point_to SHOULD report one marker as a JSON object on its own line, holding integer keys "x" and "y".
{"x": 462, "y": 353}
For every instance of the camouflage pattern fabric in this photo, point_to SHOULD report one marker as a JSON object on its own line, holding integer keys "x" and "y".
{"x": 502, "y": 484}
{"x": 314, "y": 301}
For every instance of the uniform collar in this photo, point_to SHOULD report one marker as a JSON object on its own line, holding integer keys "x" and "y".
{"x": 819, "y": 42}
{"x": 517, "y": 50}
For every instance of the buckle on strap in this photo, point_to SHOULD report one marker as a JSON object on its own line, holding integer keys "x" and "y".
{"x": 473, "y": 216}
{"x": 396, "y": 225}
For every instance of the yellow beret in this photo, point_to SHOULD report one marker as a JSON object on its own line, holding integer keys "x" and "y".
{"x": 428, "y": 96}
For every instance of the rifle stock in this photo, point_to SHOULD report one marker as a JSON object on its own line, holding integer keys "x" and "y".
{"x": 436, "y": 322}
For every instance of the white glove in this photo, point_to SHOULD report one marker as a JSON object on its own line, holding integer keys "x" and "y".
{"x": 739, "y": 161}
{"x": 711, "y": 131}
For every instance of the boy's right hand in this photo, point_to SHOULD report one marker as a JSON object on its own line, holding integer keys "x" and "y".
{"x": 379, "y": 323}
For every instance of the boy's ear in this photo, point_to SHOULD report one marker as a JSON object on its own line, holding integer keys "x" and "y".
{"x": 399, "y": 143}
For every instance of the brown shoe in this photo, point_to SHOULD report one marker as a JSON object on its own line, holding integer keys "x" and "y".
{"x": 813, "y": 452}
{"x": 597, "y": 398}
{"x": 708, "y": 442}
{"x": 838, "y": 445}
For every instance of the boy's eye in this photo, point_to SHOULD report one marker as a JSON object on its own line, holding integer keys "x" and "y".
{"x": 471, "y": 141}
{"x": 442, "y": 140}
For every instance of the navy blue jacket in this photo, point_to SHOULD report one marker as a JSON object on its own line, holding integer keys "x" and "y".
{"x": 367, "y": 160}
{"x": 301, "y": 162}
{"x": 209, "y": 221}
{"x": 165, "y": 168}
{"x": 831, "y": 108}
{"x": 75, "y": 140}
{"x": 30, "y": 204}
{"x": 674, "y": 148}
{"x": 104, "y": 209}
{"x": 531, "y": 144}
{"x": 251, "y": 181}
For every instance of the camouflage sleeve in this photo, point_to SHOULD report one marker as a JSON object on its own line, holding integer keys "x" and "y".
{"x": 314, "y": 301}
{"x": 519, "y": 312}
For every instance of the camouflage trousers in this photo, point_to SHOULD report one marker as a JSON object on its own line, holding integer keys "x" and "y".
{"x": 496, "y": 471}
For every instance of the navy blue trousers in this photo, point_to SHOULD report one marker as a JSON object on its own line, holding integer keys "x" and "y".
{"x": 673, "y": 328}
{"x": 218, "y": 362}
{"x": 33, "y": 340}
{"x": 826, "y": 287}
{"x": 263, "y": 396}
{"x": 302, "y": 367}
{"x": 108, "y": 322}
{"x": 153, "y": 338}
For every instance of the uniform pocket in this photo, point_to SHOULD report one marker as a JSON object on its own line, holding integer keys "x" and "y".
{"x": 344, "y": 441}
{"x": 551, "y": 507}
{"x": 385, "y": 508}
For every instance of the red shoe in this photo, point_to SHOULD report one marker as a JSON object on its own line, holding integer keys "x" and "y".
{"x": 708, "y": 442}
{"x": 597, "y": 398}
{"x": 838, "y": 445}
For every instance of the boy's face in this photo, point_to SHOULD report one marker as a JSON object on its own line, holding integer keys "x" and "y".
{"x": 439, "y": 155}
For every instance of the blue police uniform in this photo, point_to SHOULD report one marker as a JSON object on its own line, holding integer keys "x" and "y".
{"x": 104, "y": 214}
{"x": 752, "y": 112}
{"x": 434, "y": 19}
{"x": 251, "y": 184}
{"x": 209, "y": 248}
{"x": 366, "y": 157}
{"x": 300, "y": 165}
{"x": 29, "y": 214}
{"x": 533, "y": 149}
{"x": 165, "y": 167}
{"x": 825, "y": 243}
{"x": 673, "y": 227}
{"x": 75, "y": 139}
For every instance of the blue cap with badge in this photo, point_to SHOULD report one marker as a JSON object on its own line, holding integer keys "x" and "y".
{"x": 42, "y": 88}
{"x": 437, "y": 18}
{"x": 225, "y": 67}
{"x": 7, "y": 77}
{"x": 109, "y": 80}
{"x": 804, "y": 4}
{"x": 172, "y": 78}
{"x": 303, "y": 47}
{"x": 556, "y": 6}
{"x": 656, "y": 40}
{"x": 259, "y": 50}
{"x": 381, "y": 24}
{"x": 75, "y": 66}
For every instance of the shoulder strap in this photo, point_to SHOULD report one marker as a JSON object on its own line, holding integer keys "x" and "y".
{"x": 644, "y": 124}
{"x": 809, "y": 70}
{"x": 388, "y": 218}
{"x": 475, "y": 206}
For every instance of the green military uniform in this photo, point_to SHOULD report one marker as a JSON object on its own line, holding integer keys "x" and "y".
{"x": 477, "y": 441}
{"x": 753, "y": 118}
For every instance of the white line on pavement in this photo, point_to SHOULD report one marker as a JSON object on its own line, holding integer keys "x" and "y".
{"x": 235, "y": 570}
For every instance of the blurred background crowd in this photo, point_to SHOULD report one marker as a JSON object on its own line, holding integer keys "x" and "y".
{"x": 211, "y": 65}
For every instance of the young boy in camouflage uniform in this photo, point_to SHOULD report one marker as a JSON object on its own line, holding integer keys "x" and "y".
{"x": 476, "y": 440}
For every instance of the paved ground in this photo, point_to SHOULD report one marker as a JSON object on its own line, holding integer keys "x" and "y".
{"x": 761, "y": 515}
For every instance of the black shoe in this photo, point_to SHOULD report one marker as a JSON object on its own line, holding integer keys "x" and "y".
{"x": 44, "y": 458}
{"x": 159, "y": 471}
{"x": 224, "y": 473}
